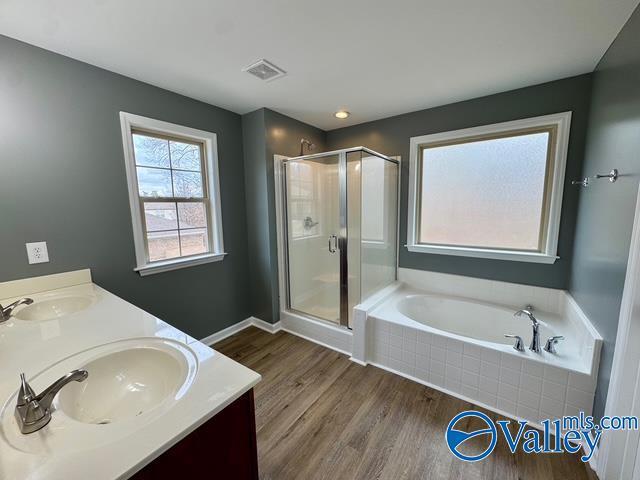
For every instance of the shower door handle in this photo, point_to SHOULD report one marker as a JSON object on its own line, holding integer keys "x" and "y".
{"x": 333, "y": 243}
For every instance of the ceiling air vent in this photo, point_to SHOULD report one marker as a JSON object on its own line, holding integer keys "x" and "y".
{"x": 265, "y": 70}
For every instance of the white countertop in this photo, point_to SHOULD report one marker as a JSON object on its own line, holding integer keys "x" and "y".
{"x": 124, "y": 448}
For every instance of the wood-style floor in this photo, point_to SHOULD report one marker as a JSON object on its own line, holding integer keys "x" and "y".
{"x": 321, "y": 416}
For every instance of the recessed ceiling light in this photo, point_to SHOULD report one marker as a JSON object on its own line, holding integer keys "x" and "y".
{"x": 341, "y": 114}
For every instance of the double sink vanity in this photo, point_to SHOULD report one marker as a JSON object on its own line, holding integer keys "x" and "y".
{"x": 142, "y": 397}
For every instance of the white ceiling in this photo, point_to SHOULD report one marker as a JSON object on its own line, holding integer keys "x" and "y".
{"x": 375, "y": 58}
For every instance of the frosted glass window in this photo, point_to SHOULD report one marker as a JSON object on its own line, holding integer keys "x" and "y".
{"x": 489, "y": 191}
{"x": 485, "y": 193}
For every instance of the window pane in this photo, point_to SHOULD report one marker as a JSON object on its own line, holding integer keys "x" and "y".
{"x": 192, "y": 215}
{"x": 187, "y": 184}
{"x": 151, "y": 151}
{"x": 487, "y": 193}
{"x": 194, "y": 241}
{"x": 160, "y": 216}
{"x": 154, "y": 182}
{"x": 185, "y": 156}
{"x": 163, "y": 245}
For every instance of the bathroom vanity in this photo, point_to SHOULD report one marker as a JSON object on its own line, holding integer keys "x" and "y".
{"x": 227, "y": 442}
{"x": 155, "y": 402}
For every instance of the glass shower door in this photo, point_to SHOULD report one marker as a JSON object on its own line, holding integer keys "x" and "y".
{"x": 312, "y": 203}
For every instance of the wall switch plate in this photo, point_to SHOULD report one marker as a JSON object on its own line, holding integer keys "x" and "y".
{"x": 37, "y": 252}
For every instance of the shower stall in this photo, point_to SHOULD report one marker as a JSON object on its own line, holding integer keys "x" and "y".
{"x": 339, "y": 224}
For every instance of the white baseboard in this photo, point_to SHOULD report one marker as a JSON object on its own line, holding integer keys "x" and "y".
{"x": 328, "y": 336}
{"x": 359, "y": 362}
{"x": 227, "y": 332}
{"x": 246, "y": 323}
{"x": 266, "y": 326}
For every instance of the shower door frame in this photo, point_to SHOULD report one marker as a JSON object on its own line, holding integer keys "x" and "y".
{"x": 343, "y": 227}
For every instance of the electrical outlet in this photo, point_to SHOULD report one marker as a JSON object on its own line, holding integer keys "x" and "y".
{"x": 37, "y": 252}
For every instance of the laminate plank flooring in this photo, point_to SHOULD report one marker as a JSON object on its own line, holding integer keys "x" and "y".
{"x": 321, "y": 416}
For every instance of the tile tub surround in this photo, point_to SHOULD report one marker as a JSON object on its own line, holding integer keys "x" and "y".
{"x": 519, "y": 385}
{"x": 34, "y": 346}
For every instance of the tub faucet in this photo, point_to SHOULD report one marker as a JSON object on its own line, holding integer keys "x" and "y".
{"x": 34, "y": 411}
{"x": 535, "y": 340}
{"x": 550, "y": 346}
{"x": 6, "y": 312}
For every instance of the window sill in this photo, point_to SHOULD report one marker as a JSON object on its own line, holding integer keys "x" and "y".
{"x": 530, "y": 257}
{"x": 175, "y": 264}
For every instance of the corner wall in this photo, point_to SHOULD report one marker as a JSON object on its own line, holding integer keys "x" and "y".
{"x": 606, "y": 211}
{"x": 267, "y": 133}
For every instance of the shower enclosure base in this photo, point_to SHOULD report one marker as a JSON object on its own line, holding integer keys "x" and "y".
{"x": 321, "y": 332}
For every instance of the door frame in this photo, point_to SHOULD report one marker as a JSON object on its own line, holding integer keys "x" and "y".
{"x": 618, "y": 453}
{"x": 278, "y": 176}
{"x": 282, "y": 236}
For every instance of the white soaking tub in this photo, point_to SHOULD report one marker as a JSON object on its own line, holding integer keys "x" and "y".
{"x": 453, "y": 340}
{"x": 473, "y": 319}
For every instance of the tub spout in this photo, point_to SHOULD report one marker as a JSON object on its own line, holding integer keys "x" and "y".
{"x": 535, "y": 339}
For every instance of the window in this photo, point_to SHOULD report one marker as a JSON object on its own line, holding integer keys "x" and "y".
{"x": 172, "y": 173}
{"x": 492, "y": 192}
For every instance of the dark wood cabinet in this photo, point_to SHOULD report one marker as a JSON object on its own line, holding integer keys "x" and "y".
{"x": 222, "y": 448}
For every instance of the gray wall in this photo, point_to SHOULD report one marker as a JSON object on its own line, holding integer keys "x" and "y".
{"x": 64, "y": 182}
{"x": 391, "y": 136}
{"x": 267, "y": 133}
{"x": 605, "y": 213}
{"x": 257, "y": 213}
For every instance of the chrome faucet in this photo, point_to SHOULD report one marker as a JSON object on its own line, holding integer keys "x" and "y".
{"x": 535, "y": 340}
{"x": 519, "y": 346}
{"x": 550, "y": 346}
{"x": 34, "y": 411}
{"x": 6, "y": 312}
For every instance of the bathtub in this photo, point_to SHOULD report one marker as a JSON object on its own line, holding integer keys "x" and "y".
{"x": 448, "y": 333}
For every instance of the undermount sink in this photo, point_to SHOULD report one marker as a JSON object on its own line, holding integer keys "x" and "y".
{"x": 131, "y": 383}
{"x": 55, "y": 307}
{"x": 123, "y": 385}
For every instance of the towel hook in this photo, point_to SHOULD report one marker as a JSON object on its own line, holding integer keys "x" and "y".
{"x": 612, "y": 176}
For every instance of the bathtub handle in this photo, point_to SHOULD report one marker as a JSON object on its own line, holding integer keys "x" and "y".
{"x": 519, "y": 345}
{"x": 550, "y": 346}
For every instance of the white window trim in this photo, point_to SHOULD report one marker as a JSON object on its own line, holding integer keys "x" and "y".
{"x": 129, "y": 121}
{"x": 549, "y": 252}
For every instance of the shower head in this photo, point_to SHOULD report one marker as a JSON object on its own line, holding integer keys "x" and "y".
{"x": 303, "y": 142}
